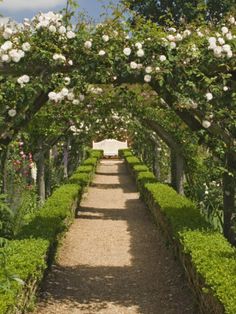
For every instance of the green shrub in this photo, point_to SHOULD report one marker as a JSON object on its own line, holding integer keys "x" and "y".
{"x": 50, "y": 220}
{"x": 140, "y": 168}
{"x": 26, "y": 257}
{"x": 24, "y": 260}
{"x": 86, "y": 168}
{"x": 80, "y": 178}
{"x": 95, "y": 153}
{"x": 145, "y": 177}
{"x": 90, "y": 161}
{"x": 179, "y": 210}
{"x": 211, "y": 254}
{"x": 126, "y": 152}
{"x": 133, "y": 161}
{"x": 215, "y": 260}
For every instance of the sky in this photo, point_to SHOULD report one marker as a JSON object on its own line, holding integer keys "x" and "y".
{"x": 20, "y": 9}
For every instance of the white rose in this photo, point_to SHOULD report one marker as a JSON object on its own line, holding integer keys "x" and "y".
{"x": 218, "y": 51}
{"x": 81, "y": 97}
{"x": 212, "y": 40}
{"x": 140, "y": 53}
{"x": 7, "y": 46}
{"x": 172, "y": 45}
{"x": 226, "y": 48}
{"x": 229, "y": 54}
{"x": 88, "y": 44}
{"x": 162, "y": 58}
{"x": 64, "y": 91}
{"x": 148, "y": 69}
{"x": 62, "y": 30}
{"x": 229, "y": 36}
{"x": 139, "y": 45}
{"x": 70, "y": 35}
{"x": 206, "y": 124}
{"x": 67, "y": 80}
{"x": 5, "y": 58}
{"x": 127, "y": 51}
{"x": 232, "y": 20}
{"x": 221, "y": 41}
{"x": 75, "y": 102}
{"x": 52, "y": 29}
{"x": 209, "y": 96}
{"x": 26, "y": 46}
{"x": 70, "y": 96}
{"x": 224, "y": 30}
{"x": 178, "y": 37}
{"x": 225, "y": 88}
{"x": 101, "y": 53}
{"x": 7, "y": 33}
{"x": 52, "y": 96}
{"x": 12, "y": 113}
{"x": 105, "y": 38}
{"x": 171, "y": 38}
{"x": 133, "y": 65}
{"x": 186, "y": 33}
{"x": 147, "y": 78}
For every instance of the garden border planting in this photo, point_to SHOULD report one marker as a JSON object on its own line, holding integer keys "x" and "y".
{"x": 208, "y": 258}
{"x": 27, "y": 257}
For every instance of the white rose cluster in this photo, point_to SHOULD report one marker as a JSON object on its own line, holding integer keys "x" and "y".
{"x": 59, "y": 57}
{"x": 22, "y": 80}
{"x": 10, "y": 52}
{"x": 54, "y": 23}
{"x": 64, "y": 94}
{"x": 218, "y": 43}
{"x": 75, "y": 130}
{"x": 95, "y": 90}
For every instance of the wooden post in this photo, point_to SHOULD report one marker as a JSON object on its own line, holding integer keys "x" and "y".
{"x": 177, "y": 172}
{"x": 229, "y": 199}
{"x": 41, "y": 174}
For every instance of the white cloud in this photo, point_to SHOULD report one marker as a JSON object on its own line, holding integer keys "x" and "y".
{"x": 18, "y": 5}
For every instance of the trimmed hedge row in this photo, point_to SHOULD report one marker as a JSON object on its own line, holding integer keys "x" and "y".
{"x": 27, "y": 257}
{"x": 208, "y": 258}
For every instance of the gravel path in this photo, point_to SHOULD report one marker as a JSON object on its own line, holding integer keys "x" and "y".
{"x": 113, "y": 259}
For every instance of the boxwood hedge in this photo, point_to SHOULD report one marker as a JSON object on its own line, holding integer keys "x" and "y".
{"x": 211, "y": 256}
{"x": 27, "y": 257}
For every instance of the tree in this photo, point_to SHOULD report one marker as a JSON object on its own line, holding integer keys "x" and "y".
{"x": 164, "y": 11}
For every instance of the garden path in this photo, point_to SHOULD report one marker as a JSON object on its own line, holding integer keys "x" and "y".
{"x": 114, "y": 259}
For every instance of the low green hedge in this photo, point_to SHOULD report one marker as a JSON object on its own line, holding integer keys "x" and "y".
{"x": 133, "y": 161}
{"x": 91, "y": 161}
{"x": 52, "y": 217}
{"x": 140, "y": 168}
{"x": 124, "y": 153}
{"x": 80, "y": 178}
{"x": 86, "y": 169}
{"x": 27, "y": 256}
{"x": 95, "y": 153}
{"x": 25, "y": 259}
{"x": 144, "y": 177}
{"x": 211, "y": 256}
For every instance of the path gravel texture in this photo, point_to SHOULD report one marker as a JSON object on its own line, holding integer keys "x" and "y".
{"x": 114, "y": 259}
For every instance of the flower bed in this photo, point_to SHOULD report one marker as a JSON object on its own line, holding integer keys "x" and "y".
{"x": 208, "y": 258}
{"x": 27, "y": 257}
